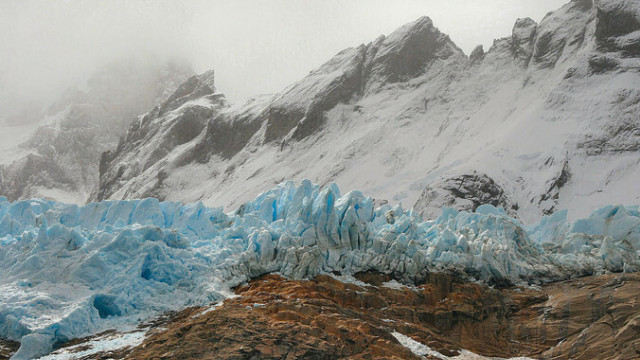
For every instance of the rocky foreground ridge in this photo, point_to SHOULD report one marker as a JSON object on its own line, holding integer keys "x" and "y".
{"x": 595, "y": 317}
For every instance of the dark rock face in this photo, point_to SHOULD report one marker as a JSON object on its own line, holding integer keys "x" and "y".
{"x": 616, "y": 18}
{"x": 299, "y": 111}
{"x": 410, "y": 50}
{"x": 403, "y": 55}
{"x": 477, "y": 54}
{"x": 615, "y": 21}
{"x": 464, "y": 193}
{"x": 549, "y": 199}
{"x": 153, "y": 136}
{"x": 226, "y": 137}
{"x": 8, "y": 348}
{"x": 280, "y": 121}
{"x": 599, "y": 64}
{"x": 35, "y": 170}
{"x": 190, "y": 124}
{"x": 524, "y": 33}
{"x": 548, "y": 50}
{"x": 342, "y": 90}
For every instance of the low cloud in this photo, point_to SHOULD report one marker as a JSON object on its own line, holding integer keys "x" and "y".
{"x": 255, "y": 46}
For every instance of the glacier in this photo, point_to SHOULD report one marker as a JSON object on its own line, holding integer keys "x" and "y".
{"x": 68, "y": 271}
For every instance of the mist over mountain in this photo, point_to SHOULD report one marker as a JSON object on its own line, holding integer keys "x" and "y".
{"x": 255, "y": 47}
{"x": 55, "y": 153}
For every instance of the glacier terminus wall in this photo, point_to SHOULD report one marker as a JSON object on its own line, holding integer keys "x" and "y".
{"x": 67, "y": 271}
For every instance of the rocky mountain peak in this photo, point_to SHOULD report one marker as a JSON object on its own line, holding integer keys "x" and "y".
{"x": 195, "y": 87}
{"x": 407, "y": 51}
{"x": 62, "y": 154}
{"x": 558, "y": 36}
{"x": 523, "y": 36}
{"x": 208, "y": 78}
{"x": 409, "y": 114}
{"x": 405, "y": 54}
{"x": 179, "y": 120}
{"x": 477, "y": 54}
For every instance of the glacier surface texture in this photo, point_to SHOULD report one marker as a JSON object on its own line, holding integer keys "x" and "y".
{"x": 67, "y": 271}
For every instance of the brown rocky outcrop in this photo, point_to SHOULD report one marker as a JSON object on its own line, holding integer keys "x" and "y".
{"x": 275, "y": 318}
{"x": 8, "y": 348}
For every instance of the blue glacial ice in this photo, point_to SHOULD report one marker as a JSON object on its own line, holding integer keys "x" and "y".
{"x": 68, "y": 271}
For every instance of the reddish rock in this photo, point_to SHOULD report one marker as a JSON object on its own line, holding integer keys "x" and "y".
{"x": 8, "y": 348}
{"x": 276, "y": 318}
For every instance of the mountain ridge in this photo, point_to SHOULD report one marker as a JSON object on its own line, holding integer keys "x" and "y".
{"x": 57, "y": 156}
{"x": 408, "y": 113}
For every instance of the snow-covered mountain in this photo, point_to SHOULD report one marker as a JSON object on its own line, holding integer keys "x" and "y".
{"x": 154, "y": 136}
{"x": 56, "y": 153}
{"x": 546, "y": 119}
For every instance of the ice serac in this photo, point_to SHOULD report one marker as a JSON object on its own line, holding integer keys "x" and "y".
{"x": 108, "y": 264}
{"x": 535, "y": 113}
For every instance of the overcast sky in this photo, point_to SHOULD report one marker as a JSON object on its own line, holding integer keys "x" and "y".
{"x": 255, "y": 46}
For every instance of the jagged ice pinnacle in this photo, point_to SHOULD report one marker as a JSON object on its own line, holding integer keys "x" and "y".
{"x": 69, "y": 271}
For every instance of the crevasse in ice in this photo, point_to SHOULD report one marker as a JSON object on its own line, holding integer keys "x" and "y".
{"x": 67, "y": 271}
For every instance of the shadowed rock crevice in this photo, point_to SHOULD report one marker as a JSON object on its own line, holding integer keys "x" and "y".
{"x": 616, "y": 18}
{"x": 618, "y": 26}
{"x": 549, "y": 200}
